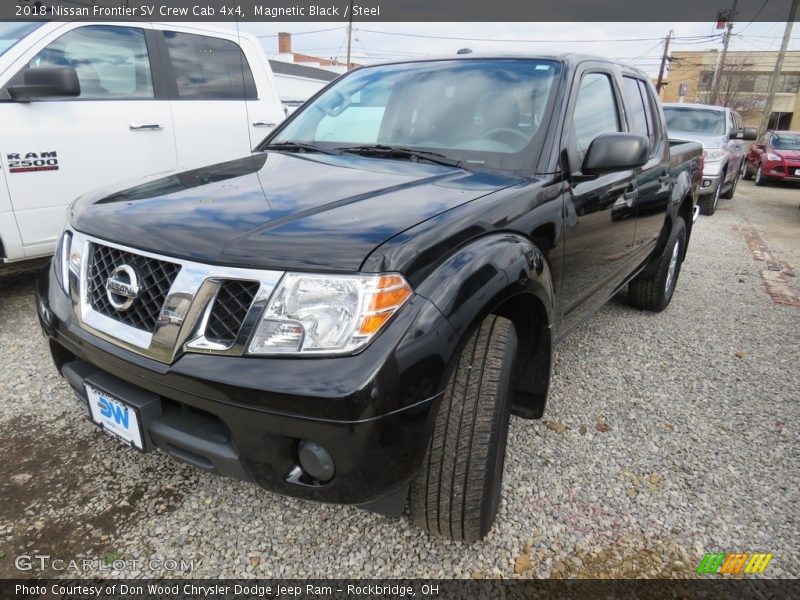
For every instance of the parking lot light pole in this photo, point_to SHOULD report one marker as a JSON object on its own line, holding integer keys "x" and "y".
{"x": 715, "y": 83}
{"x": 787, "y": 33}
{"x": 349, "y": 34}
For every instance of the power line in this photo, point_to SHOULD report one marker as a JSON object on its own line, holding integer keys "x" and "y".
{"x": 763, "y": 6}
{"x": 636, "y": 58}
{"x": 360, "y": 43}
{"x": 700, "y": 38}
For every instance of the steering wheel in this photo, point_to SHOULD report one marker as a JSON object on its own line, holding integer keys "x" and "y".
{"x": 504, "y": 132}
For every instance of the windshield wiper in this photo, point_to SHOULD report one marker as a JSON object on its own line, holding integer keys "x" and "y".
{"x": 296, "y": 147}
{"x": 399, "y": 151}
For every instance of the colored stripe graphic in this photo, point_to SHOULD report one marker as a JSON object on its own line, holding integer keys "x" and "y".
{"x": 711, "y": 562}
{"x": 735, "y": 563}
{"x": 758, "y": 562}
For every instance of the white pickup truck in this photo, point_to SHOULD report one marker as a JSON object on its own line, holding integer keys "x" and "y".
{"x": 84, "y": 105}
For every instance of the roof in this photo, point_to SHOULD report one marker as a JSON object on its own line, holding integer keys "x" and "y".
{"x": 283, "y": 68}
{"x": 569, "y": 58}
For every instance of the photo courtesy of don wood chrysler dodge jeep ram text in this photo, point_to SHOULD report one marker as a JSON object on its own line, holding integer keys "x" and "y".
{"x": 352, "y": 313}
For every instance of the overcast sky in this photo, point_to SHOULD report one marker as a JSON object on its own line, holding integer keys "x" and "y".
{"x": 637, "y": 43}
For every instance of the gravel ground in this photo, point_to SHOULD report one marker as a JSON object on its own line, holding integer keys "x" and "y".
{"x": 665, "y": 436}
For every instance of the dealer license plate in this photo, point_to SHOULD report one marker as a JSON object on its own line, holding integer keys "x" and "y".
{"x": 115, "y": 416}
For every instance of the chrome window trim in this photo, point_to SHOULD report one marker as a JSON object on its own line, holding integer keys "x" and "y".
{"x": 181, "y": 323}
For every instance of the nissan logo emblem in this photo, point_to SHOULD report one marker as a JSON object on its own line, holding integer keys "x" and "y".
{"x": 122, "y": 287}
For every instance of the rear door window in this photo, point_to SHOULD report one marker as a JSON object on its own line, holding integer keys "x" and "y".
{"x": 635, "y": 106}
{"x": 654, "y": 126}
{"x": 209, "y": 68}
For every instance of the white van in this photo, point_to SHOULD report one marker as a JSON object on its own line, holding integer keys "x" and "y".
{"x": 84, "y": 105}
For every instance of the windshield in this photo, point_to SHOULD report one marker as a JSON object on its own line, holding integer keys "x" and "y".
{"x": 785, "y": 141}
{"x": 11, "y": 33}
{"x": 479, "y": 112}
{"x": 695, "y": 120}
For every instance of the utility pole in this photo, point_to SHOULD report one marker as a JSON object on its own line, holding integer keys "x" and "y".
{"x": 664, "y": 59}
{"x": 721, "y": 63}
{"x": 787, "y": 33}
{"x": 349, "y": 34}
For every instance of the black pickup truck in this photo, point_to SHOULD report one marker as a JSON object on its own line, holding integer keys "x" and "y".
{"x": 352, "y": 313}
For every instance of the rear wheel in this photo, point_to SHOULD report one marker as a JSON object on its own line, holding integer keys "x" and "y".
{"x": 747, "y": 174}
{"x": 760, "y": 179}
{"x": 457, "y": 492}
{"x": 654, "y": 292}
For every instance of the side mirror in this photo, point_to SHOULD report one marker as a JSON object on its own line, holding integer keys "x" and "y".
{"x": 761, "y": 147}
{"x": 749, "y": 133}
{"x": 610, "y": 152}
{"x": 46, "y": 82}
{"x": 746, "y": 133}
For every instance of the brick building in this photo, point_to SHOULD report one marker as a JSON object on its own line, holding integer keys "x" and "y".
{"x": 743, "y": 85}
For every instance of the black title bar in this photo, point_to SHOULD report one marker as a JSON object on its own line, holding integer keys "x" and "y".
{"x": 393, "y": 10}
{"x": 422, "y": 589}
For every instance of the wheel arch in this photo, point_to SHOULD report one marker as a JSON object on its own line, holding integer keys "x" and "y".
{"x": 686, "y": 212}
{"x": 507, "y": 275}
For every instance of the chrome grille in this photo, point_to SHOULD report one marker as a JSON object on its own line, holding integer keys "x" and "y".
{"x": 229, "y": 310}
{"x": 176, "y": 298}
{"x": 155, "y": 279}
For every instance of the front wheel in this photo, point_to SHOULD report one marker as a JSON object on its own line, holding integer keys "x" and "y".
{"x": 747, "y": 174}
{"x": 760, "y": 179}
{"x": 708, "y": 203}
{"x": 654, "y": 292}
{"x": 457, "y": 492}
{"x": 729, "y": 194}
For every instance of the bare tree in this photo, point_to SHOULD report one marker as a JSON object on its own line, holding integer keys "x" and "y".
{"x": 737, "y": 89}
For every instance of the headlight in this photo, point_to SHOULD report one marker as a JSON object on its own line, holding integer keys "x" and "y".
{"x": 327, "y": 314}
{"x": 66, "y": 260}
{"x": 61, "y": 259}
{"x": 774, "y": 157}
{"x": 714, "y": 154}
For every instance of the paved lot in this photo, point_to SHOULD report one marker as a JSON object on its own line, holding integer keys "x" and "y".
{"x": 679, "y": 437}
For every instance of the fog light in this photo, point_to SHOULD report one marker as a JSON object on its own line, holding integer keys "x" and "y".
{"x": 315, "y": 461}
{"x": 706, "y": 183}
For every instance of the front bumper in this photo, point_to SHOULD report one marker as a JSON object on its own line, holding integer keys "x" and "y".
{"x": 246, "y": 417}
{"x": 781, "y": 171}
{"x": 711, "y": 177}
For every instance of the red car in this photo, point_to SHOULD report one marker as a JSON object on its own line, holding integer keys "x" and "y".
{"x": 776, "y": 156}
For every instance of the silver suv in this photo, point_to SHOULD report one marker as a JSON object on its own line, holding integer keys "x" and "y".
{"x": 724, "y": 138}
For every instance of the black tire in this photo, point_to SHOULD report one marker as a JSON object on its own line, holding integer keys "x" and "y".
{"x": 655, "y": 291}
{"x": 708, "y": 203}
{"x": 759, "y": 177}
{"x": 457, "y": 492}
{"x": 747, "y": 174}
{"x": 729, "y": 193}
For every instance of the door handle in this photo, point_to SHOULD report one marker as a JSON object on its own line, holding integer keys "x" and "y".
{"x": 263, "y": 124}
{"x": 664, "y": 178}
{"x": 144, "y": 126}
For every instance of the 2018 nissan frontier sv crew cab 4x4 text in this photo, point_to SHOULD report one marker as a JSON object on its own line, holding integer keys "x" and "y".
{"x": 352, "y": 313}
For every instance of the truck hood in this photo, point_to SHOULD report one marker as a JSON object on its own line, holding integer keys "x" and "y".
{"x": 280, "y": 211}
{"x": 708, "y": 141}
